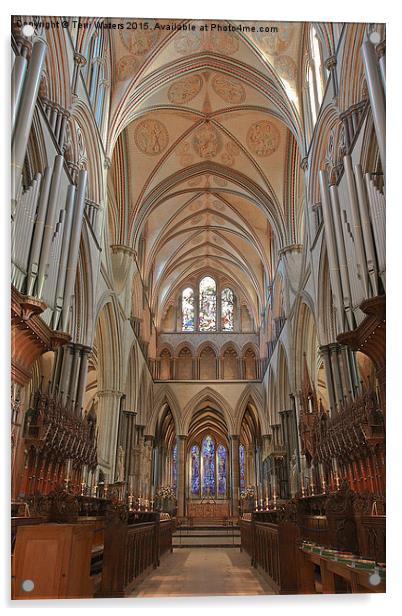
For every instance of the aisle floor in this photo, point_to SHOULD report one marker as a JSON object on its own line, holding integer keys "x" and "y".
{"x": 203, "y": 572}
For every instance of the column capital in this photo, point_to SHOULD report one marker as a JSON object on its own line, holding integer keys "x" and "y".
{"x": 109, "y": 392}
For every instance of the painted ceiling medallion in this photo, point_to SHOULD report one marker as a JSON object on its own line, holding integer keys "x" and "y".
{"x": 151, "y": 137}
{"x": 263, "y": 138}
{"x": 229, "y": 89}
{"x": 275, "y": 43}
{"x": 187, "y": 42}
{"x": 184, "y": 90}
{"x": 206, "y": 141}
{"x": 224, "y": 43}
{"x": 286, "y": 68}
{"x": 126, "y": 66}
{"x": 139, "y": 42}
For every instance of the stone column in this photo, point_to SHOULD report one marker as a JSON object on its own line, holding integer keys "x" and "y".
{"x": 330, "y": 384}
{"x": 147, "y": 475}
{"x": 235, "y": 473}
{"x": 65, "y": 372}
{"x": 333, "y": 349}
{"x": 376, "y": 96}
{"x": 82, "y": 379}
{"x": 72, "y": 391}
{"x": 181, "y": 473}
{"x": 25, "y": 115}
{"x": 108, "y": 419}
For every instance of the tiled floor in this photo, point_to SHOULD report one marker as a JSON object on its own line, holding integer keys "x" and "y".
{"x": 199, "y": 571}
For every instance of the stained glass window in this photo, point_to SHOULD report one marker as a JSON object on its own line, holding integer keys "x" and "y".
{"x": 227, "y": 309}
{"x": 187, "y": 309}
{"x": 207, "y": 315}
{"x": 221, "y": 461}
{"x": 195, "y": 470}
{"x": 242, "y": 469}
{"x": 174, "y": 466}
{"x": 208, "y": 466}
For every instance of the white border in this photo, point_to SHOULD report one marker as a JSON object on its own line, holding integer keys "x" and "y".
{"x": 336, "y": 10}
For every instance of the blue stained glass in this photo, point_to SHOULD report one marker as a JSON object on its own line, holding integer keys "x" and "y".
{"x": 221, "y": 470}
{"x": 208, "y": 471}
{"x": 174, "y": 466}
{"x": 195, "y": 470}
{"x": 241, "y": 465}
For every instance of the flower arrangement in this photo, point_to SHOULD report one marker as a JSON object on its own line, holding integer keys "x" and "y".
{"x": 166, "y": 493}
{"x": 248, "y": 492}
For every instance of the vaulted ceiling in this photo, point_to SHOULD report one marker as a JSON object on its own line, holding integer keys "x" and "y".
{"x": 206, "y": 139}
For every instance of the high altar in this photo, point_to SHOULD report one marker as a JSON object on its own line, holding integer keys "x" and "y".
{"x": 208, "y": 509}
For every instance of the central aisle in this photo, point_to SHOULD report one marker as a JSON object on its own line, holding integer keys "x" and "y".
{"x": 203, "y": 571}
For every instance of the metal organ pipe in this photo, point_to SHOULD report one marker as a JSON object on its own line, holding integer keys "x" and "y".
{"x": 366, "y": 228}
{"x": 50, "y": 223}
{"x": 376, "y": 95}
{"x": 377, "y": 210}
{"x": 39, "y": 227}
{"x": 25, "y": 114}
{"x": 331, "y": 247}
{"x": 61, "y": 277}
{"x": 74, "y": 246}
{"x": 361, "y": 259}
{"x": 17, "y": 82}
{"x": 340, "y": 241}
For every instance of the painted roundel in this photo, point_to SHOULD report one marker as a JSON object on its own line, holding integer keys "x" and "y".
{"x": 263, "y": 138}
{"x": 139, "y": 42}
{"x": 151, "y": 137}
{"x": 187, "y": 42}
{"x": 206, "y": 141}
{"x": 286, "y": 68}
{"x": 229, "y": 89}
{"x": 223, "y": 42}
{"x": 184, "y": 90}
{"x": 274, "y": 43}
{"x": 126, "y": 67}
